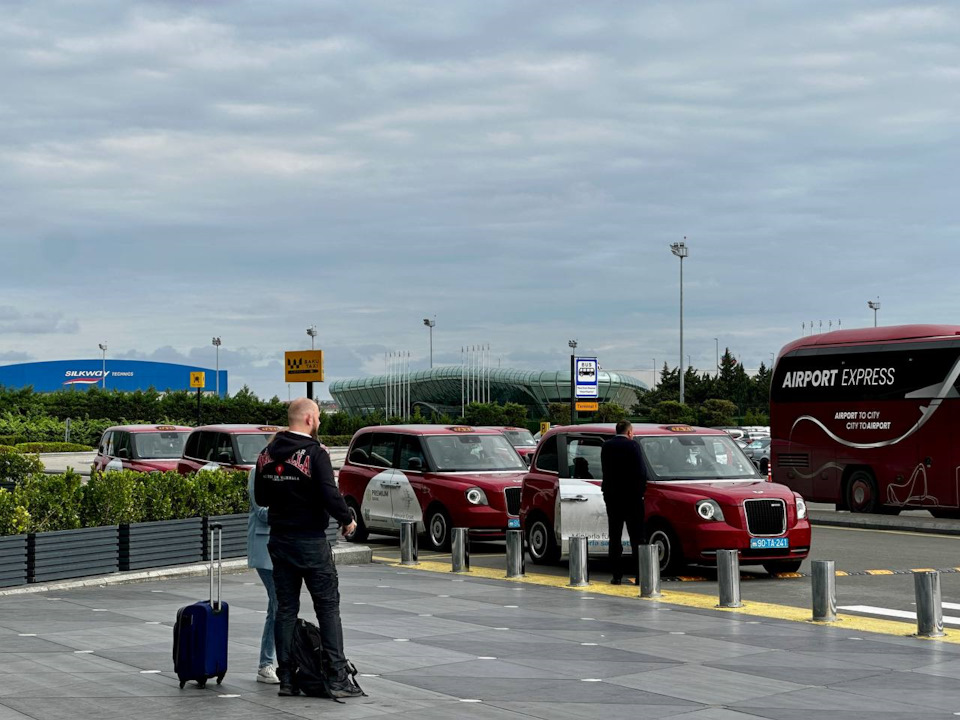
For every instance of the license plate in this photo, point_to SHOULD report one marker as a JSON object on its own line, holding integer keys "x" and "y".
{"x": 769, "y": 543}
{"x": 513, "y": 523}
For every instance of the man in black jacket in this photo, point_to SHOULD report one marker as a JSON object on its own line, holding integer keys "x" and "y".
{"x": 624, "y": 484}
{"x": 294, "y": 479}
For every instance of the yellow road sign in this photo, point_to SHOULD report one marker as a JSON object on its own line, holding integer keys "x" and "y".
{"x": 303, "y": 366}
{"x": 586, "y": 406}
{"x": 544, "y": 426}
{"x": 198, "y": 379}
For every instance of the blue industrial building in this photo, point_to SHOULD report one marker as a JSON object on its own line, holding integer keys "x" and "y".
{"x": 125, "y": 375}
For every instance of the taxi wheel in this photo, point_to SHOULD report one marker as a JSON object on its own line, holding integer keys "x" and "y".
{"x": 775, "y": 567}
{"x": 668, "y": 548}
{"x": 361, "y": 533}
{"x": 541, "y": 544}
{"x": 862, "y": 492}
{"x": 438, "y": 529}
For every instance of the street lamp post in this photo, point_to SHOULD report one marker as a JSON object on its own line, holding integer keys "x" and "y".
{"x": 681, "y": 251}
{"x": 573, "y": 381}
{"x": 312, "y": 332}
{"x": 216, "y": 344}
{"x": 717, "y": 341}
{"x": 874, "y": 305}
{"x": 103, "y": 372}
{"x": 431, "y": 324}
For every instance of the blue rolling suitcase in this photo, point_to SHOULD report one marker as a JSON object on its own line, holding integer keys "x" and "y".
{"x": 200, "y": 633}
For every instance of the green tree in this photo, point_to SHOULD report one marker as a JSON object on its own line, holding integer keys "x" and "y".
{"x": 610, "y": 413}
{"x": 671, "y": 411}
{"x": 715, "y": 412}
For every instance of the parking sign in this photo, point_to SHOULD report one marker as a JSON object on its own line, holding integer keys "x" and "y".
{"x": 587, "y": 386}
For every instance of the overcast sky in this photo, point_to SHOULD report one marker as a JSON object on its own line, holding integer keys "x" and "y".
{"x": 173, "y": 171}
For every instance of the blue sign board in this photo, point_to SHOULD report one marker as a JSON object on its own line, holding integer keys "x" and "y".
{"x": 126, "y": 375}
{"x": 587, "y": 384}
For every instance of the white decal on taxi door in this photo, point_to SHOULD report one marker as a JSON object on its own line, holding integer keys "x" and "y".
{"x": 377, "y": 505}
{"x": 581, "y": 510}
{"x": 406, "y": 507}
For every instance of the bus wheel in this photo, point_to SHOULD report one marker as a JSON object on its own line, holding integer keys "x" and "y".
{"x": 862, "y": 492}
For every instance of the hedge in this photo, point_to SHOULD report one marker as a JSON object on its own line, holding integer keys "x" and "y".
{"x": 51, "y": 447}
{"x": 12, "y": 439}
{"x": 42, "y": 502}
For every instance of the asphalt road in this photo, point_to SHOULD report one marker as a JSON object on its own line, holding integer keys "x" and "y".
{"x": 853, "y": 550}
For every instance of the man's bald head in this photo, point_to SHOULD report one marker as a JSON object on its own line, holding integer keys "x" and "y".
{"x": 303, "y": 416}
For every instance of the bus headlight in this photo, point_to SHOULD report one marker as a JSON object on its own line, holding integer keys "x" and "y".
{"x": 476, "y": 496}
{"x": 801, "y": 508}
{"x": 709, "y": 510}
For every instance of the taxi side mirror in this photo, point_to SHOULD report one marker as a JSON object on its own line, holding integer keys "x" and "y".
{"x": 225, "y": 456}
{"x": 123, "y": 453}
{"x": 415, "y": 463}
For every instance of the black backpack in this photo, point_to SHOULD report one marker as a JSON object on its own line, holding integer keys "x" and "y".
{"x": 312, "y": 676}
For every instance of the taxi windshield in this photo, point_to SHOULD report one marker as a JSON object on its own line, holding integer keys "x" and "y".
{"x": 472, "y": 453}
{"x": 158, "y": 445}
{"x": 250, "y": 445}
{"x": 520, "y": 438}
{"x": 675, "y": 457}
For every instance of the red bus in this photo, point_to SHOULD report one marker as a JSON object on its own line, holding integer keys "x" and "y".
{"x": 868, "y": 419}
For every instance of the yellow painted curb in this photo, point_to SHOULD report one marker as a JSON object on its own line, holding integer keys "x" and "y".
{"x": 688, "y": 599}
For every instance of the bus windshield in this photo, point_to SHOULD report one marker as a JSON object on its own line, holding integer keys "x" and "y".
{"x": 470, "y": 453}
{"x": 697, "y": 457}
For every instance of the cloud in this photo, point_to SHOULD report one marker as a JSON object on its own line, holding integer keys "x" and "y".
{"x": 173, "y": 171}
{"x": 15, "y": 321}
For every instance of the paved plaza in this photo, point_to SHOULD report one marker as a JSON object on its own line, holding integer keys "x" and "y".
{"x": 438, "y": 645}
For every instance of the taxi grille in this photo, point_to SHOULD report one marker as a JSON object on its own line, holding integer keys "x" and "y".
{"x": 512, "y": 495}
{"x": 766, "y": 516}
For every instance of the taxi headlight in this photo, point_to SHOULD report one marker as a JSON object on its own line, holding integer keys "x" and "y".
{"x": 476, "y": 496}
{"x": 801, "y": 508}
{"x": 709, "y": 510}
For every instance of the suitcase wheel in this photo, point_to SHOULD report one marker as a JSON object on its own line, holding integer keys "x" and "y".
{"x": 220, "y": 678}
{"x": 202, "y": 683}
{"x": 182, "y": 683}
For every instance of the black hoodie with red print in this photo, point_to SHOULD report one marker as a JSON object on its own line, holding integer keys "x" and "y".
{"x": 295, "y": 481}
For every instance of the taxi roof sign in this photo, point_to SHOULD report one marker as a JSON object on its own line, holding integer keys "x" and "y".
{"x": 680, "y": 428}
{"x": 460, "y": 429}
{"x": 303, "y": 366}
{"x": 198, "y": 379}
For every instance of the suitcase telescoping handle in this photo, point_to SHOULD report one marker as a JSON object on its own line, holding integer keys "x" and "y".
{"x": 216, "y": 530}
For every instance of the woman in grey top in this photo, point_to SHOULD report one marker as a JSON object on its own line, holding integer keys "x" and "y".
{"x": 258, "y": 534}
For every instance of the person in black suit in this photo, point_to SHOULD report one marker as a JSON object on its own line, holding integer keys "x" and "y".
{"x": 624, "y": 484}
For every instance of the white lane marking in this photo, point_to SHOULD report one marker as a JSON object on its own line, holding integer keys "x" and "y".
{"x": 150, "y": 672}
{"x": 890, "y": 612}
{"x": 27, "y": 634}
{"x": 947, "y": 606}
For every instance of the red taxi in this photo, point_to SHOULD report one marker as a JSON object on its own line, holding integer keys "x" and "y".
{"x": 142, "y": 448}
{"x": 231, "y": 447}
{"x": 703, "y": 495}
{"x": 521, "y": 439}
{"x": 441, "y": 477}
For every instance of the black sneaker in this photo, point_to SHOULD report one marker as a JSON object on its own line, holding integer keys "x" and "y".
{"x": 287, "y": 690}
{"x": 344, "y": 686}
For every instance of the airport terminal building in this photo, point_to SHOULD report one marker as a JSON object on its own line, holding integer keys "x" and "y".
{"x": 444, "y": 389}
{"x": 125, "y": 375}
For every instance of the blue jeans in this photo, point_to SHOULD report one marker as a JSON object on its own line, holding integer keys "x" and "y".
{"x": 299, "y": 560}
{"x": 268, "y": 648}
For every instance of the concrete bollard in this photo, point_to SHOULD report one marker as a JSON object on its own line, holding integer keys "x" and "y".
{"x": 929, "y": 607}
{"x": 460, "y": 546}
{"x": 824, "y": 584}
{"x": 649, "y": 571}
{"x": 728, "y": 578}
{"x": 408, "y": 543}
{"x": 515, "y": 560}
{"x": 579, "y": 571}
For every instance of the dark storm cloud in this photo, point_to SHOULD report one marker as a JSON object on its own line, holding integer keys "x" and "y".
{"x": 175, "y": 170}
